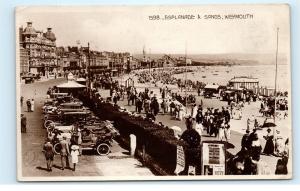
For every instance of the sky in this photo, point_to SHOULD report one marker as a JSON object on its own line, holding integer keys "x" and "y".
{"x": 125, "y": 28}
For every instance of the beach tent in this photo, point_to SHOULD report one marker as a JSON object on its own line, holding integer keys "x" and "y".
{"x": 211, "y": 90}
{"x": 210, "y": 86}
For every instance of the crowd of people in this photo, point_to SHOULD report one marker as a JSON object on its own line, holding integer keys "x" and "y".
{"x": 68, "y": 148}
{"x": 248, "y": 160}
{"x": 214, "y": 122}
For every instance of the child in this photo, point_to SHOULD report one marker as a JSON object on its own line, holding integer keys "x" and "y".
{"x": 74, "y": 155}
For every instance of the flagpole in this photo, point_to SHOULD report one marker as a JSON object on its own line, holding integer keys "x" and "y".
{"x": 275, "y": 89}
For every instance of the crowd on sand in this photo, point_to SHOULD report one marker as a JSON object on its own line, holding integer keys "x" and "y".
{"x": 201, "y": 121}
{"x": 214, "y": 122}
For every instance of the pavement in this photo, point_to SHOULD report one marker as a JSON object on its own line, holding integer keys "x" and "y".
{"x": 238, "y": 127}
{"x": 117, "y": 163}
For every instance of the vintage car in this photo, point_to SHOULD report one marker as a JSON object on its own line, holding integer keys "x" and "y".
{"x": 211, "y": 91}
{"x": 56, "y": 95}
{"x": 66, "y": 118}
{"x": 227, "y": 95}
{"x": 96, "y": 138}
{"x": 30, "y": 77}
{"x": 58, "y": 132}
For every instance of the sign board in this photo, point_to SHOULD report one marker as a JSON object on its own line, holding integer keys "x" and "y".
{"x": 213, "y": 158}
{"x": 180, "y": 161}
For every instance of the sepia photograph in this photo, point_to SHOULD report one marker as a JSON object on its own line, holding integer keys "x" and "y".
{"x": 160, "y": 92}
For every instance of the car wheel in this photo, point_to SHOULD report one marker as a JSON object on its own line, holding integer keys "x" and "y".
{"x": 47, "y": 123}
{"x": 57, "y": 148}
{"x": 103, "y": 149}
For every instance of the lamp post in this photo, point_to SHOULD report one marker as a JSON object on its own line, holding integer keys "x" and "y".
{"x": 89, "y": 65}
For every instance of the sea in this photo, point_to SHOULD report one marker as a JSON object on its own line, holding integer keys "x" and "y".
{"x": 222, "y": 74}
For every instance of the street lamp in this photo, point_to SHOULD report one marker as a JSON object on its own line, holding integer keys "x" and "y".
{"x": 89, "y": 65}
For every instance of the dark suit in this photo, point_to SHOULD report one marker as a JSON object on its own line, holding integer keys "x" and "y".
{"x": 64, "y": 154}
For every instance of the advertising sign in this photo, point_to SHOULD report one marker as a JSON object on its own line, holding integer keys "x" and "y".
{"x": 180, "y": 164}
{"x": 213, "y": 158}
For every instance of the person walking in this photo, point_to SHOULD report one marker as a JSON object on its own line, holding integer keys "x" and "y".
{"x": 28, "y": 103}
{"x": 192, "y": 138}
{"x": 32, "y": 105}
{"x": 199, "y": 121}
{"x": 115, "y": 99}
{"x": 23, "y": 123}
{"x": 269, "y": 147}
{"x": 79, "y": 141}
{"x": 147, "y": 105}
{"x": 245, "y": 140}
{"x": 74, "y": 155}
{"x": 256, "y": 148}
{"x": 194, "y": 111}
{"x": 21, "y": 101}
{"x": 221, "y": 133}
{"x": 155, "y": 106}
{"x": 49, "y": 154}
{"x": 227, "y": 131}
{"x": 64, "y": 153}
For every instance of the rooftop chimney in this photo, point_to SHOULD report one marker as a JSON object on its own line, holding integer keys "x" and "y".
{"x": 49, "y": 29}
{"x": 29, "y": 24}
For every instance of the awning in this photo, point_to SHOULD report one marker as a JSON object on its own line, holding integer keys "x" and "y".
{"x": 71, "y": 85}
{"x": 81, "y": 80}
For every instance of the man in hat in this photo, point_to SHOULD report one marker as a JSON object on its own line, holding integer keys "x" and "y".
{"x": 32, "y": 105}
{"x": 23, "y": 123}
{"x": 28, "y": 103}
{"x": 245, "y": 140}
{"x": 192, "y": 138}
{"x": 64, "y": 153}
{"x": 49, "y": 154}
{"x": 21, "y": 100}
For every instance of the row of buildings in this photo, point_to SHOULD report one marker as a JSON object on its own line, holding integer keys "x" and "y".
{"x": 40, "y": 55}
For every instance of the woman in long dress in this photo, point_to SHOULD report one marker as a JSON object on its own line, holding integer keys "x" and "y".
{"x": 269, "y": 147}
{"x": 279, "y": 144}
{"x": 32, "y": 105}
{"x": 227, "y": 132}
{"x": 180, "y": 113}
{"x": 74, "y": 155}
{"x": 222, "y": 132}
{"x": 199, "y": 128}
